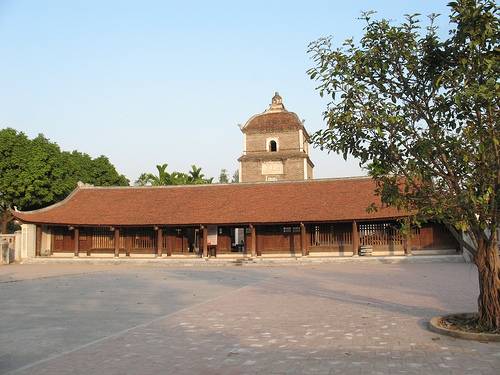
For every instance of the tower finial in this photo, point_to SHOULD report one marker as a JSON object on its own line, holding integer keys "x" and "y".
{"x": 276, "y": 104}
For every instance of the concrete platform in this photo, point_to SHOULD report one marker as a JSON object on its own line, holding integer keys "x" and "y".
{"x": 327, "y": 318}
{"x": 239, "y": 261}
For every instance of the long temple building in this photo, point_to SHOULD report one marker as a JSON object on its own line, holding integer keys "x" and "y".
{"x": 277, "y": 209}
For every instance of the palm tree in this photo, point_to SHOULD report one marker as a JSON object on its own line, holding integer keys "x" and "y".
{"x": 193, "y": 177}
{"x": 149, "y": 179}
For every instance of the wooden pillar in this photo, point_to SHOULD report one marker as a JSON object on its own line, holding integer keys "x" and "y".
{"x": 406, "y": 242}
{"x": 168, "y": 243}
{"x": 117, "y": 242}
{"x": 303, "y": 239}
{"x": 355, "y": 238}
{"x": 159, "y": 241}
{"x": 89, "y": 233}
{"x": 128, "y": 242}
{"x": 204, "y": 241}
{"x": 76, "y": 236}
{"x": 38, "y": 241}
{"x": 253, "y": 244}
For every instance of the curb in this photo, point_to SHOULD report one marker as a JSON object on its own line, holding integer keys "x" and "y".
{"x": 248, "y": 262}
{"x": 483, "y": 337}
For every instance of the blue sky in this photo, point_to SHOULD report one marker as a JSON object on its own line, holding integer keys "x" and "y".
{"x": 148, "y": 82}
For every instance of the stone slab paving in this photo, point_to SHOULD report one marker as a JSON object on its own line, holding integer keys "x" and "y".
{"x": 322, "y": 319}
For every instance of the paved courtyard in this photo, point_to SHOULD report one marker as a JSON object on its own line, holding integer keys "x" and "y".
{"x": 348, "y": 318}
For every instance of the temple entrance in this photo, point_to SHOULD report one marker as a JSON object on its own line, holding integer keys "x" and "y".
{"x": 225, "y": 240}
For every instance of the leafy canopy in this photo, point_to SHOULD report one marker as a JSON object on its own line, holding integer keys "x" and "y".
{"x": 35, "y": 173}
{"x": 420, "y": 113}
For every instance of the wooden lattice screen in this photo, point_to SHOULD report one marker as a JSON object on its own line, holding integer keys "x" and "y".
{"x": 379, "y": 234}
{"x": 138, "y": 238}
{"x": 330, "y": 235}
{"x": 103, "y": 238}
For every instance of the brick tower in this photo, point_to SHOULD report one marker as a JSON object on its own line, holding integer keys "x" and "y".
{"x": 276, "y": 146}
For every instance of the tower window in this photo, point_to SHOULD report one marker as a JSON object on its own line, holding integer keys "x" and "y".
{"x": 273, "y": 147}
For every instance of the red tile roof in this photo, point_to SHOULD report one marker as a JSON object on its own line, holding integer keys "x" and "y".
{"x": 271, "y": 202}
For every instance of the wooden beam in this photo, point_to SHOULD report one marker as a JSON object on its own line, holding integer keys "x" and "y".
{"x": 355, "y": 238}
{"x": 253, "y": 244}
{"x": 38, "y": 241}
{"x": 204, "y": 243}
{"x": 159, "y": 241}
{"x": 117, "y": 242}
{"x": 76, "y": 236}
{"x": 303, "y": 239}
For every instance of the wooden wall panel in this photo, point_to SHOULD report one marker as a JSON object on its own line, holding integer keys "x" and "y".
{"x": 62, "y": 240}
{"x": 224, "y": 240}
{"x": 272, "y": 239}
{"x": 432, "y": 236}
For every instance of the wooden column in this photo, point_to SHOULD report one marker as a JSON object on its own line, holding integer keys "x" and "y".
{"x": 253, "y": 244}
{"x": 204, "y": 242}
{"x": 87, "y": 235}
{"x": 303, "y": 239}
{"x": 159, "y": 241}
{"x": 406, "y": 243}
{"x": 76, "y": 236}
{"x": 38, "y": 241}
{"x": 168, "y": 243}
{"x": 355, "y": 238}
{"x": 117, "y": 242}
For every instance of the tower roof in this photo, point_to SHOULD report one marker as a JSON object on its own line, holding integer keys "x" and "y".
{"x": 275, "y": 118}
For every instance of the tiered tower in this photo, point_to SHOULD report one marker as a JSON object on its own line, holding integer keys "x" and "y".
{"x": 275, "y": 146}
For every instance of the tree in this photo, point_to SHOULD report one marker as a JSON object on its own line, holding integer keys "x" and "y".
{"x": 193, "y": 177}
{"x": 35, "y": 173}
{"x": 223, "y": 177}
{"x": 99, "y": 171}
{"x": 196, "y": 177}
{"x": 421, "y": 114}
{"x": 236, "y": 176}
{"x": 163, "y": 177}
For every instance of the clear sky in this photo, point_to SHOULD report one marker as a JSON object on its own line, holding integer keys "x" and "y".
{"x": 148, "y": 82}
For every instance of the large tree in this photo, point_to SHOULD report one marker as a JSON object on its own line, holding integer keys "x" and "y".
{"x": 421, "y": 114}
{"x": 35, "y": 173}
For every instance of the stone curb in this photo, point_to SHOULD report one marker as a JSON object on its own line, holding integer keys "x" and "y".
{"x": 484, "y": 337}
{"x": 250, "y": 261}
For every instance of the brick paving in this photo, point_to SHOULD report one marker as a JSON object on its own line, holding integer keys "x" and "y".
{"x": 322, "y": 319}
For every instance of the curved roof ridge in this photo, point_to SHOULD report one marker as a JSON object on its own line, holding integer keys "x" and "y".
{"x": 332, "y": 199}
{"x": 239, "y": 184}
{"x": 326, "y": 179}
{"x": 57, "y": 204}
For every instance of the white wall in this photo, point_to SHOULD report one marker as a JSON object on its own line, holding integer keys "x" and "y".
{"x": 28, "y": 240}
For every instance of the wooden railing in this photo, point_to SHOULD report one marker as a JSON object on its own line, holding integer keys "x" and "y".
{"x": 329, "y": 235}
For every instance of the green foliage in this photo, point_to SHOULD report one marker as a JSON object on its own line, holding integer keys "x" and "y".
{"x": 193, "y": 177}
{"x": 420, "y": 113}
{"x": 236, "y": 177}
{"x": 35, "y": 173}
{"x": 223, "y": 177}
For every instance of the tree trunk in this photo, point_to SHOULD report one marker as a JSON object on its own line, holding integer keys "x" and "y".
{"x": 5, "y": 218}
{"x": 488, "y": 266}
